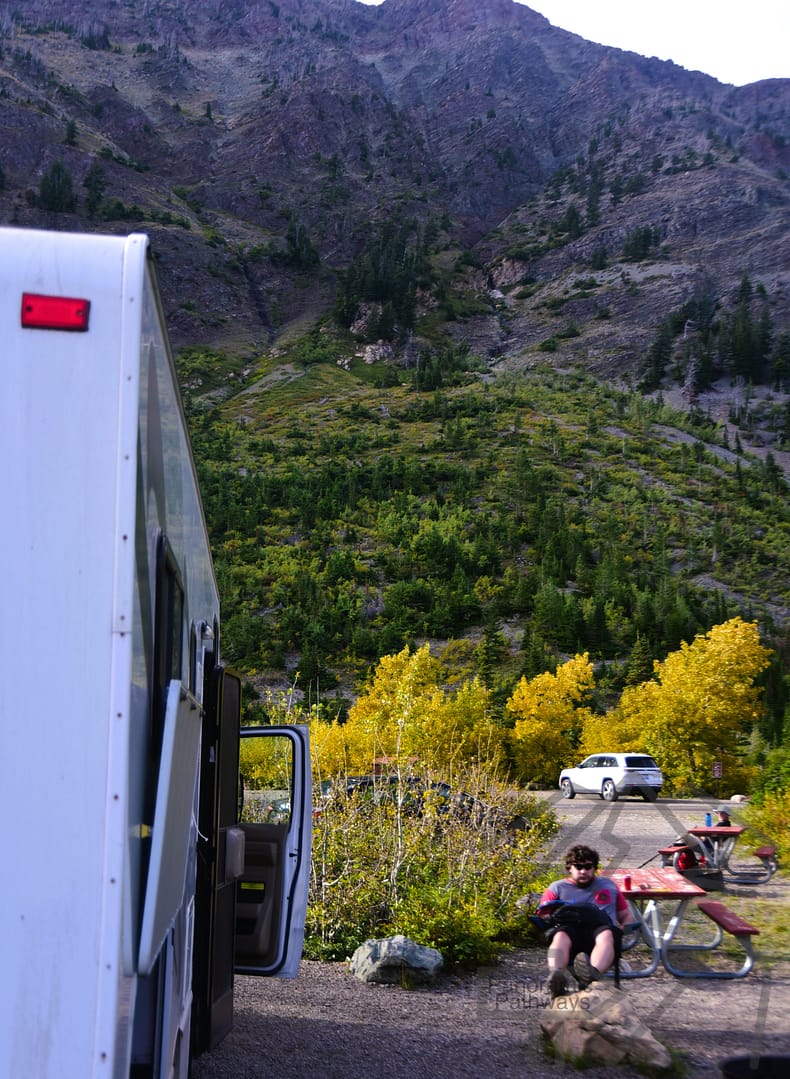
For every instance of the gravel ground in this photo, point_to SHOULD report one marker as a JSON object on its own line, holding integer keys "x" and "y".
{"x": 327, "y": 1024}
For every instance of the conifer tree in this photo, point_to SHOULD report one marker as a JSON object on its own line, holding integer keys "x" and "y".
{"x": 56, "y": 190}
{"x": 95, "y": 183}
{"x": 640, "y": 662}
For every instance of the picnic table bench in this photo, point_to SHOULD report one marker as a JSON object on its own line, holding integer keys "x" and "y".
{"x": 726, "y": 921}
{"x": 691, "y": 859}
{"x": 767, "y": 856}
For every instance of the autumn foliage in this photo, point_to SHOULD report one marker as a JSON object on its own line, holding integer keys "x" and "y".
{"x": 406, "y": 718}
{"x": 411, "y": 863}
{"x": 699, "y": 707}
{"x": 550, "y": 715}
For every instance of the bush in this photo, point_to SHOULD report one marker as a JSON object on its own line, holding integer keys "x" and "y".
{"x": 768, "y": 820}
{"x": 462, "y": 928}
{"x": 773, "y": 772}
{"x": 442, "y": 879}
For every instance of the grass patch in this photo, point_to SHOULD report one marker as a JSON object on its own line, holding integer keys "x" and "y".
{"x": 770, "y": 917}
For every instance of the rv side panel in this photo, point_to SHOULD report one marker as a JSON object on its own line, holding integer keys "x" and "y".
{"x": 108, "y": 642}
{"x": 60, "y": 414}
{"x": 111, "y": 598}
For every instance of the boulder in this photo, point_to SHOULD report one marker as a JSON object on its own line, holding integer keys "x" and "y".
{"x": 396, "y": 961}
{"x": 600, "y": 1026}
{"x": 376, "y": 353}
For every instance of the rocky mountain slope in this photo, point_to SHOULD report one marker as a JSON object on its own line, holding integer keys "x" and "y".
{"x": 453, "y": 190}
{"x": 264, "y": 143}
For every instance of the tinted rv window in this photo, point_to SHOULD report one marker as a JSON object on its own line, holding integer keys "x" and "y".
{"x": 168, "y": 641}
{"x": 193, "y": 659}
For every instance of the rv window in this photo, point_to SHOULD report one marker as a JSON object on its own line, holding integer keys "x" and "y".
{"x": 193, "y": 659}
{"x": 266, "y": 773}
{"x": 168, "y": 640}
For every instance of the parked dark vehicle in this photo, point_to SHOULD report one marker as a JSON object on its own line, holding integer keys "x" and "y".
{"x": 279, "y": 811}
{"x": 418, "y": 796}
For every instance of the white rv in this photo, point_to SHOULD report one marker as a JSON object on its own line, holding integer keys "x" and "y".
{"x": 132, "y": 882}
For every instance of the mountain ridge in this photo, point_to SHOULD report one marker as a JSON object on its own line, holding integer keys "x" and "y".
{"x": 469, "y": 200}
{"x": 218, "y": 127}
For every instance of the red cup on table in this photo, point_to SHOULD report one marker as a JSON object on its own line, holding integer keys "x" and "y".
{"x": 627, "y": 882}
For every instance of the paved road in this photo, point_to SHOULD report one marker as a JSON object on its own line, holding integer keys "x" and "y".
{"x": 627, "y": 832}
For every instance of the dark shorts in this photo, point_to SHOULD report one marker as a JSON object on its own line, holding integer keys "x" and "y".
{"x": 582, "y": 937}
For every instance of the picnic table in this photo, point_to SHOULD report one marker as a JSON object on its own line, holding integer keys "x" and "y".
{"x": 720, "y": 844}
{"x": 661, "y": 898}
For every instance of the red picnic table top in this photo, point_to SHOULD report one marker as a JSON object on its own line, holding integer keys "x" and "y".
{"x": 659, "y": 883}
{"x": 717, "y": 831}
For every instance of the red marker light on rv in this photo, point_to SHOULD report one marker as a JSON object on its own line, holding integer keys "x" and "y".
{"x": 54, "y": 312}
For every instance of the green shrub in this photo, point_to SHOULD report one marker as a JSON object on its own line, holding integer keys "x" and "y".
{"x": 412, "y": 866}
{"x": 773, "y": 772}
{"x": 461, "y": 927}
{"x": 768, "y": 820}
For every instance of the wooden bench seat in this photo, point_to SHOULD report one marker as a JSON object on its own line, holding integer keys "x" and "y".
{"x": 729, "y": 921}
{"x": 669, "y": 855}
{"x": 725, "y": 921}
{"x": 765, "y": 852}
{"x": 746, "y": 874}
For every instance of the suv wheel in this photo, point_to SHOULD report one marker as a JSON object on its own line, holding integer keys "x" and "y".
{"x": 649, "y": 794}
{"x": 567, "y": 789}
{"x": 609, "y": 791}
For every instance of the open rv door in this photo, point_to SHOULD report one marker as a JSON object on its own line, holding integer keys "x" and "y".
{"x": 253, "y": 857}
{"x": 275, "y": 815}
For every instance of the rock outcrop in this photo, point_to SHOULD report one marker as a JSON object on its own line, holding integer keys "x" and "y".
{"x": 600, "y": 1026}
{"x": 396, "y": 961}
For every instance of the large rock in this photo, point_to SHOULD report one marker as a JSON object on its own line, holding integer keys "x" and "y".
{"x": 396, "y": 961}
{"x": 599, "y": 1025}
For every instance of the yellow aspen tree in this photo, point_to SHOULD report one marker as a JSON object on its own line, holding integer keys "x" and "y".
{"x": 622, "y": 729}
{"x": 394, "y": 702}
{"x": 407, "y": 718}
{"x": 549, "y": 715}
{"x": 329, "y": 749}
{"x": 456, "y": 732}
{"x": 701, "y": 706}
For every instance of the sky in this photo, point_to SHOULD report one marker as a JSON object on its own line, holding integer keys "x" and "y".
{"x": 735, "y": 41}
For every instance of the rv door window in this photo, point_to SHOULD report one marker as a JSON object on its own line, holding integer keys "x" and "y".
{"x": 266, "y": 768}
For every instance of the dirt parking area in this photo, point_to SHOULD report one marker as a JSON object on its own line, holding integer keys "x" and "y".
{"x": 326, "y": 1024}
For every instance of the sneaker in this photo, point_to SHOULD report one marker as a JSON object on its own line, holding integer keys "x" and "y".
{"x": 557, "y": 984}
{"x": 584, "y": 972}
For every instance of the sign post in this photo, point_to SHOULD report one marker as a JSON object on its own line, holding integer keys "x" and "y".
{"x": 718, "y": 772}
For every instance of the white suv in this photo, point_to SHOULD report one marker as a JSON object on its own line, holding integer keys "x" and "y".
{"x": 611, "y": 774}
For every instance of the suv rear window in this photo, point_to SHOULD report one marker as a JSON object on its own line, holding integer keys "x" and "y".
{"x": 640, "y": 762}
